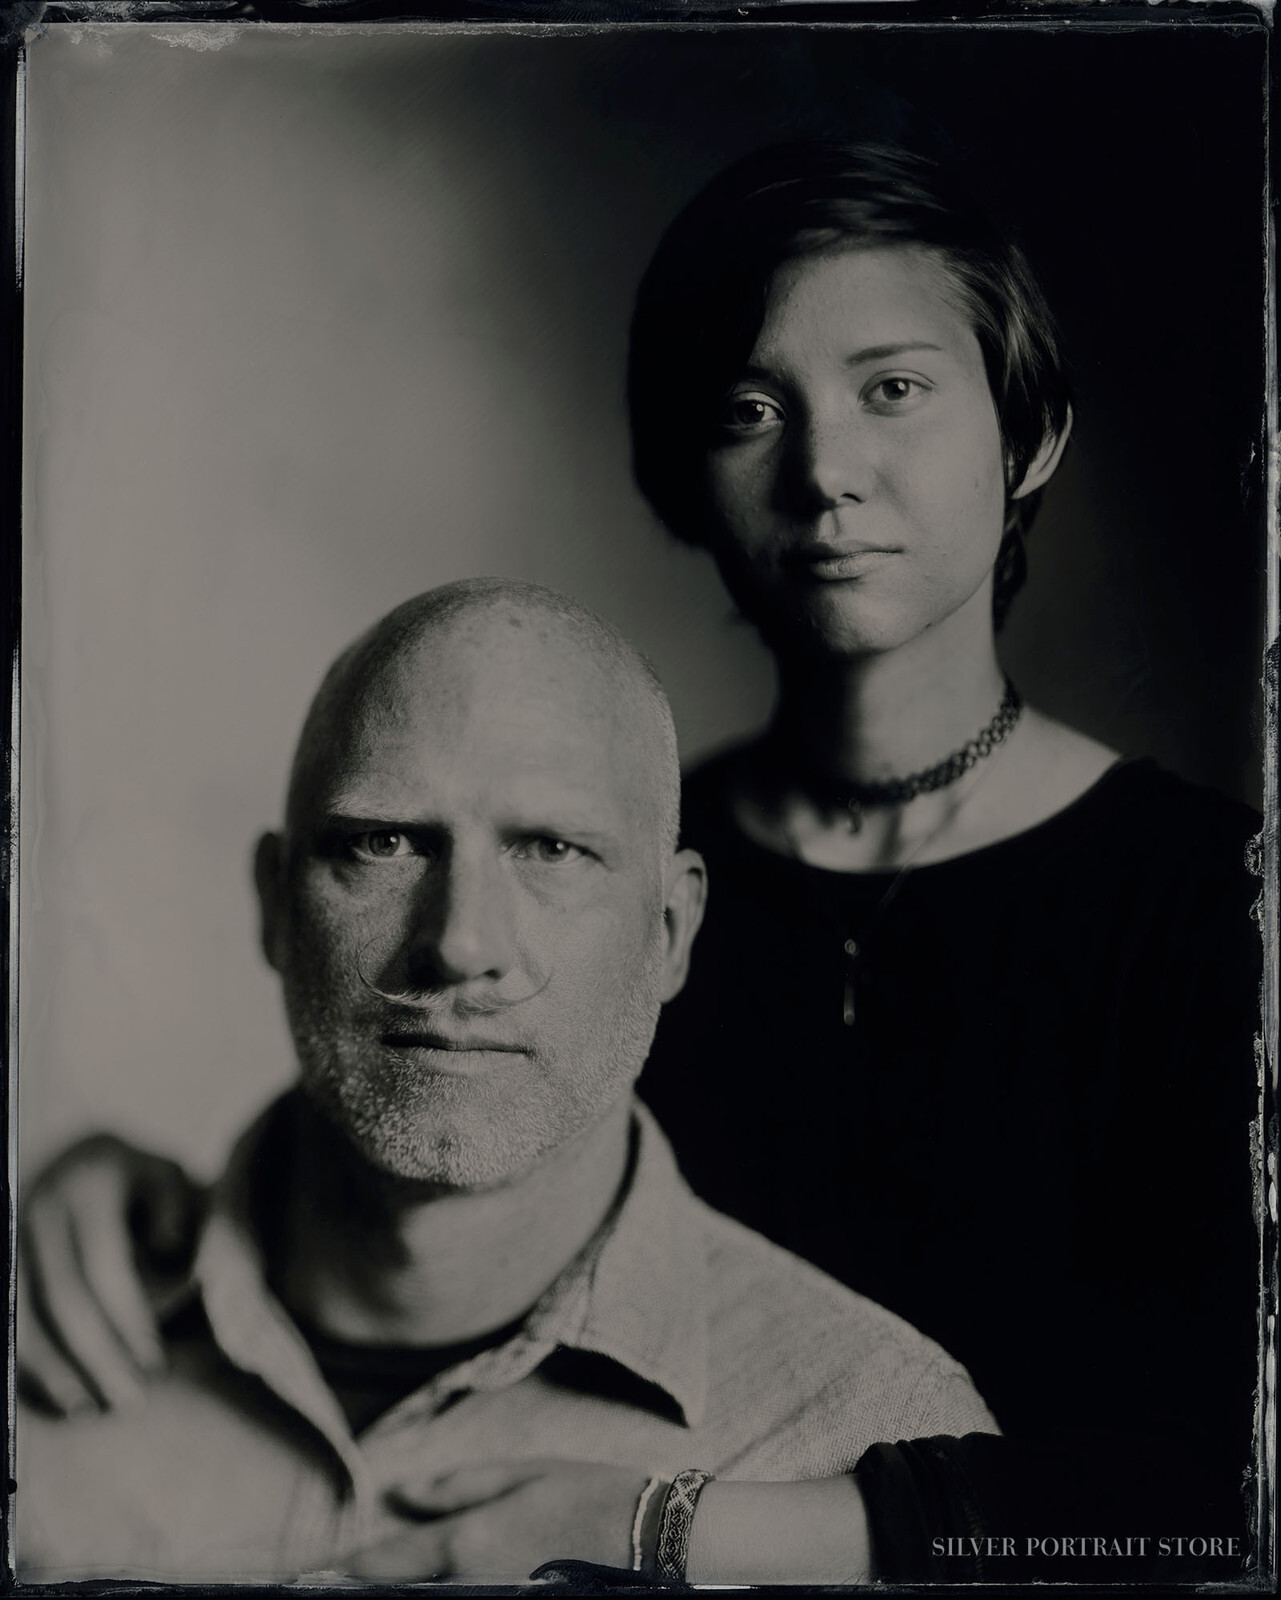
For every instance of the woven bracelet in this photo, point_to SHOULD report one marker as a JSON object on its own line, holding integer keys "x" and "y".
{"x": 675, "y": 1522}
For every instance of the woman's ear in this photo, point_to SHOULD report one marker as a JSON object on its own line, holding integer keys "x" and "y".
{"x": 1045, "y": 461}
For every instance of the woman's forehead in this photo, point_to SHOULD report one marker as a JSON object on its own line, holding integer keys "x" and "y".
{"x": 870, "y": 295}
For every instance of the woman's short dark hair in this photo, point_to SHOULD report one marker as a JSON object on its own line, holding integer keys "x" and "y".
{"x": 702, "y": 301}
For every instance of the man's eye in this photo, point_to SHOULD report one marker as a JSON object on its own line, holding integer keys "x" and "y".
{"x": 749, "y": 413}
{"x": 551, "y": 852}
{"x": 380, "y": 844}
{"x": 895, "y": 394}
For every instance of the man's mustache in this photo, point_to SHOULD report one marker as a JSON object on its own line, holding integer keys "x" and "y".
{"x": 439, "y": 1000}
{"x": 439, "y": 1003}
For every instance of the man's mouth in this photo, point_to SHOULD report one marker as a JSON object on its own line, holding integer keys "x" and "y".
{"x": 438, "y": 1039}
{"x": 448, "y": 1053}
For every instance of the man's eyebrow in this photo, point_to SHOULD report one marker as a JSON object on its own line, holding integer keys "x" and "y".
{"x": 337, "y": 819}
{"x": 546, "y": 820}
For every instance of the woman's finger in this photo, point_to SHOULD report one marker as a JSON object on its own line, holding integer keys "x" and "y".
{"x": 45, "y": 1376}
{"x": 71, "y": 1314}
{"x": 464, "y": 1486}
{"x": 102, "y": 1245}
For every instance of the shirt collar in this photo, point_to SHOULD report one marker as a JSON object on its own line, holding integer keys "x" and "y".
{"x": 639, "y": 1290}
{"x": 636, "y": 1294}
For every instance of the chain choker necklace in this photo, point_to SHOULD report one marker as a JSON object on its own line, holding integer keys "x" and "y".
{"x": 854, "y": 797}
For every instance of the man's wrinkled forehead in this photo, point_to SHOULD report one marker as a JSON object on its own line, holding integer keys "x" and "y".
{"x": 507, "y": 701}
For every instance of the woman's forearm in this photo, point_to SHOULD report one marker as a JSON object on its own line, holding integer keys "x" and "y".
{"x": 814, "y": 1532}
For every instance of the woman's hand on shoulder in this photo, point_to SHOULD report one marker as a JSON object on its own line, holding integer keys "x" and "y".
{"x": 104, "y": 1249}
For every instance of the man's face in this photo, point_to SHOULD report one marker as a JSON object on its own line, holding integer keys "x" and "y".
{"x": 467, "y": 912}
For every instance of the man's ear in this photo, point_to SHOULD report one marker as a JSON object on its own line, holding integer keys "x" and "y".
{"x": 1045, "y": 461}
{"x": 269, "y": 880}
{"x": 683, "y": 906}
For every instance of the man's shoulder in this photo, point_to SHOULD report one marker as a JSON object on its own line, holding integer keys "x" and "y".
{"x": 819, "y": 1359}
{"x": 780, "y": 1294}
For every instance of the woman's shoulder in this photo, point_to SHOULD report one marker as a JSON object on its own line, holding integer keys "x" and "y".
{"x": 1184, "y": 800}
{"x": 1063, "y": 797}
{"x": 1143, "y": 828}
{"x": 1167, "y": 815}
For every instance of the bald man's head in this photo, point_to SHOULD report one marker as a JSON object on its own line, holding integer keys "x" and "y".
{"x": 526, "y": 629}
{"x": 477, "y": 907}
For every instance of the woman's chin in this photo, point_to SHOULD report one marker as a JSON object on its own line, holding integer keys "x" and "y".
{"x": 837, "y": 628}
{"x": 848, "y": 622}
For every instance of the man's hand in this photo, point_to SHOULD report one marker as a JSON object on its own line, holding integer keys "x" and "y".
{"x": 104, "y": 1251}
{"x": 501, "y": 1520}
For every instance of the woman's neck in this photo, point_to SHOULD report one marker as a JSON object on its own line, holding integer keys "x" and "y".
{"x": 885, "y": 716}
{"x": 840, "y": 724}
{"x": 843, "y": 723}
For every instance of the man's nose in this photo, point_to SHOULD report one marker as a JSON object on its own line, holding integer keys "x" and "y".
{"x": 831, "y": 461}
{"x": 463, "y": 927}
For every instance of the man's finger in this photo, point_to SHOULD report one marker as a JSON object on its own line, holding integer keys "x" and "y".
{"x": 417, "y": 1554}
{"x": 70, "y": 1313}
{"x": 463, "y": 1487}
{"x": 45, "y": 1376}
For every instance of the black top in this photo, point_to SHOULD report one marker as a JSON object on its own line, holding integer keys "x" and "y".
{"x": 1034, "y": 1140}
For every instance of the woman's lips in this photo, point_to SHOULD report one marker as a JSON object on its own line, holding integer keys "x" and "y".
{"x": 830, "y": 564}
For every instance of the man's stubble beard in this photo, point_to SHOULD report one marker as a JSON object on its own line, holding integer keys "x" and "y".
{"x": 469, "y": 1132}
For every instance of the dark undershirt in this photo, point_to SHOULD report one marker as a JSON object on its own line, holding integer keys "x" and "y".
{"x": 369, "y": 1379}
{"x": 1034, "y": 1142}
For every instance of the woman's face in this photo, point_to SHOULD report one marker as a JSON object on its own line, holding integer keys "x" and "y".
{"x": 856, "y": 480}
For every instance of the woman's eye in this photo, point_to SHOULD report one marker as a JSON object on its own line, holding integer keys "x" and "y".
{"x": 895, "y": 394}
{"x": 746, "y": 413}
{"x": 380, "y": 844}
{"x": 551, "y": 852}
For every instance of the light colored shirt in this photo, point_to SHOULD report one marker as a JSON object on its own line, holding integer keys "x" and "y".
{"x": 678, "y": 1338}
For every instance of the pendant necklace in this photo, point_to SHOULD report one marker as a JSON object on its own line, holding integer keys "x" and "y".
{"x": 853, "y": 949}
{"x": 896, "y": 792}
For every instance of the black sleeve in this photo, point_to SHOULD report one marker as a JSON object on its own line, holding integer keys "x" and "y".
{"x": 1094, "y": 1510}
{"x": 1159, "y": 1337}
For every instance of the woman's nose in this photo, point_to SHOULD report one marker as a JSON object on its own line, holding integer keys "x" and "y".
{"x": 463, "y": 928}
{"x": 832, "y": 463}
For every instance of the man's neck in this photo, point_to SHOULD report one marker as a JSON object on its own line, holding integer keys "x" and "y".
{"x": 366, "y": 1257}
